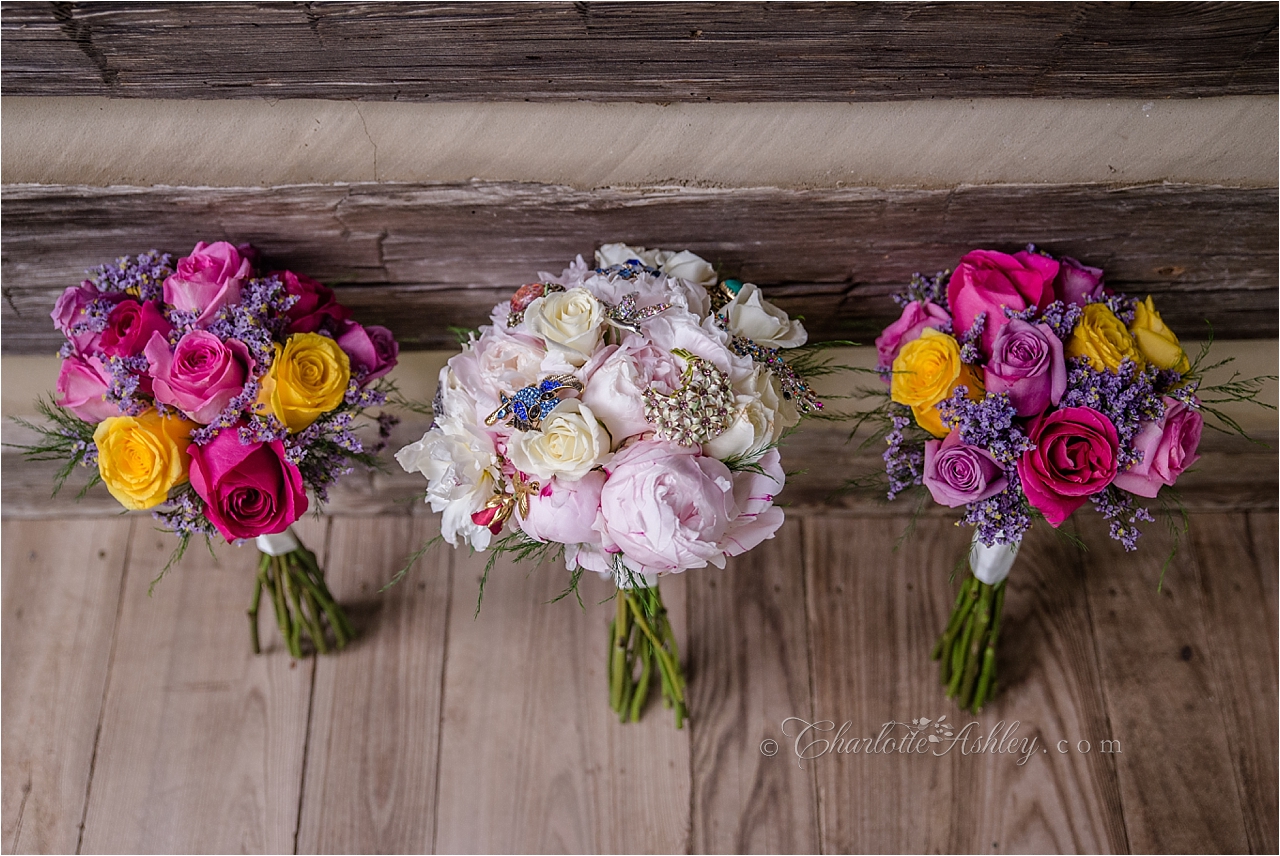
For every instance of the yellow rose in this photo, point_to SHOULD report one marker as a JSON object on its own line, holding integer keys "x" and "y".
{"x": 1101, "y": 338}
{"x": 1156, "y": 341}
{"x": 307, "y": 378}
{"x": 141, "y": 457}
{"x": 925, "y": 372}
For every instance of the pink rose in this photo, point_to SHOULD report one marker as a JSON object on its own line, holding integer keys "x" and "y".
{"x": 565, "y": 512}
{"x": 70, "y": 313}
{"x": 1027, "y": 364}
{"x": 1168, "y": 446}
{"x": 916, "y": 316}
{"x": 956, "y": 473}
{"x": 373, "y": 350}
{"x": 201, "y": 375}
{"x": 130, "y": 326}
{"x": 249, "y": 489}
{"x": 82, "y": 386}
{"x": 1075, "y": 457}
{"x": 207, "y": 280}
{"x": 667, "y": 507}
{"x": 1078, "y": 284}
{"x": 316, "y": 307}
{"x": 986, "y": 281}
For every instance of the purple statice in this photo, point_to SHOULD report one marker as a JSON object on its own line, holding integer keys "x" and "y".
{"x": 95, "y": 316}
{"x": 926, "y": 289}
{"x": 183, "y": 321}
{"x": 386, "y": 421}
{"x": 86, "y": 451}
{"x": 1122, "y": 305}
{"x": 1062, "y": 318}
{"x": 141, "y": 277}
{"x": 903, "y": 460}
{"x": 971, "y": 339}
{"x": 126, "y": 379}
{"x": 232, "y": 414}
{"x": 185, "y": 515}
{"x": 363, "y": 397}
{"x": 1003, "y": 518}
{"x": 1120, "y": 508}
{"x": 1033, "y": 249}
{"x": 987, "y": 423}
{"x": 258, "y": 319}
{"x": 1127, "y": 397}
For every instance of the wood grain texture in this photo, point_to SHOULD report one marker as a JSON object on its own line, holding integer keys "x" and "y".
{"x": 61, "y": 597}
{"x": 419, "y": 258}
{"x": 375, "y": 717}
{"x": 627, "y": 52}
{"x": 1058, "y": 802}
{"x": 1164, "y": 697}
{"x": 1236, "y": 560}
{"x": 749, "y": 671}
{"x": 202, "y": 743}
{"x": 532, "y": 760}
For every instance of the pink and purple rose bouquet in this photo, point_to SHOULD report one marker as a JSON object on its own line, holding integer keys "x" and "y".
{"x": 1021, "y": 388}
{"x": 625, "y": 417}
{"x": 219, "y": 396}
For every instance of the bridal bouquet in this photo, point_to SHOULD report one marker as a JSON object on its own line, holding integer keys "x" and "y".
{"x": 1021, "y": 388}
{"x": 626, "y": 417}
{"x": 217, "y": 396}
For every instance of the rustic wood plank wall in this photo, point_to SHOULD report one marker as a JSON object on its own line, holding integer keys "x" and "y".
{"x": 420, "y": 258}
{"x": 639, "y": 52}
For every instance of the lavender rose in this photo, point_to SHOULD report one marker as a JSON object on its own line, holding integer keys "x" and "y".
{"x": 1027, "y": 364}
{"x": 71, "y": 315}
{"x": 1078, "y": 284}
{"x": 956, "y": 473}
{"x": 986, "y": 282}
{"x": 373, "y": 351}
{"x": 916, "y": 316}
{"x": 207, "y": 280}
{"x": 1168, "y": 446}
{"x": 201, "y": 375}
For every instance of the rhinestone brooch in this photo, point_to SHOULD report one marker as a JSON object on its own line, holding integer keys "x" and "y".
{"x": 526, "y": 409}
{"x": 700, "y": 410}
{"x": 626, "y": 316}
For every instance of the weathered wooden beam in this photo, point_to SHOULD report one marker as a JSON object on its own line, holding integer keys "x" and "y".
{"x": 639, "y": 52}
{"x": 420, "y": 258}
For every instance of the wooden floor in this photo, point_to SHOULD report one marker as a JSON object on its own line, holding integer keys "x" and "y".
{"x": 144, "y": 724}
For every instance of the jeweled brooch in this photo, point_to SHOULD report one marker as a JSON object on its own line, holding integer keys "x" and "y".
{"x": 626, "y": 316}
{"x": 525, "y": 295}
{"x": 699, "y": 411}
{"x": 526, "y": 409}
{"x": 792, "y": 385}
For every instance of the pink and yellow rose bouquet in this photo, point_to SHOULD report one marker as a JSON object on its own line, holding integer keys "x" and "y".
{"x": 218, "y": 396}
{"x": 1021, "y": 388}
{"x": 625, "y": 417}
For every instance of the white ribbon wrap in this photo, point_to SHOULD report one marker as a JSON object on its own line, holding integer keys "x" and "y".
{"x": 991, "y": 564}
{"x": 278, "y": 545}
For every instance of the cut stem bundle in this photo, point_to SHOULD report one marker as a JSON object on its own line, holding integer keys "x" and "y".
{"x": 641, "y": 643}
{"x": 966, "y": 650}
{"x": 303, "y": 605}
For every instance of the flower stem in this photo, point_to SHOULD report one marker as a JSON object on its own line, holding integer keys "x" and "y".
{"x": 967, "y": 647}
{"x": 302, "y": 601}
{"x": 640, "y": 636}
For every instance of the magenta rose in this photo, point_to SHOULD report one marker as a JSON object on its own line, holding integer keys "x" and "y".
{"x": 1075, "y": 457}
{"x": 985, "y": 282}
{"x": 667, "y": 507}
{"x": 71, "y": 312}
{"x": 1168, "y": 446}
{"x": 207, "y": 280}
{"x": 201, "y": 375}
{"x": 130, "y": 326}
{"x": 249, "y": 489}
{"x": 1078, "y": 284}
{"x": 957, "y": 473}
{"x": 1027, "y": 364}
{"x": 916, "y": 316}
{"x": 565, "y": 512}
{"x": 315, "y": 308}
{"x": 82, "y": 387}
{"x": 373, "y": 350}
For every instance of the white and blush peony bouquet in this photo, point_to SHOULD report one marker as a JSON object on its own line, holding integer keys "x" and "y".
{"x": 626, "y": 416}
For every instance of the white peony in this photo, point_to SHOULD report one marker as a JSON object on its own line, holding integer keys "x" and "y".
{"x": 569, "y": 321}
{"x": 750, "y": 315}
{"x": 572, "y": 442}
{"x": 462, "y": 472}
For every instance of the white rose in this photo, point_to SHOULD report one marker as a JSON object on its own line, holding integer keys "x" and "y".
{"x": 462, "y": 473}
{"x": 687, "y": 266}
{"x": 570, "y": 321}
{"x": 758, "y": 421}
{"x": 750, "y": 315}
{"x": 619, "y": 254}
{"x": 572, "y": 442}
